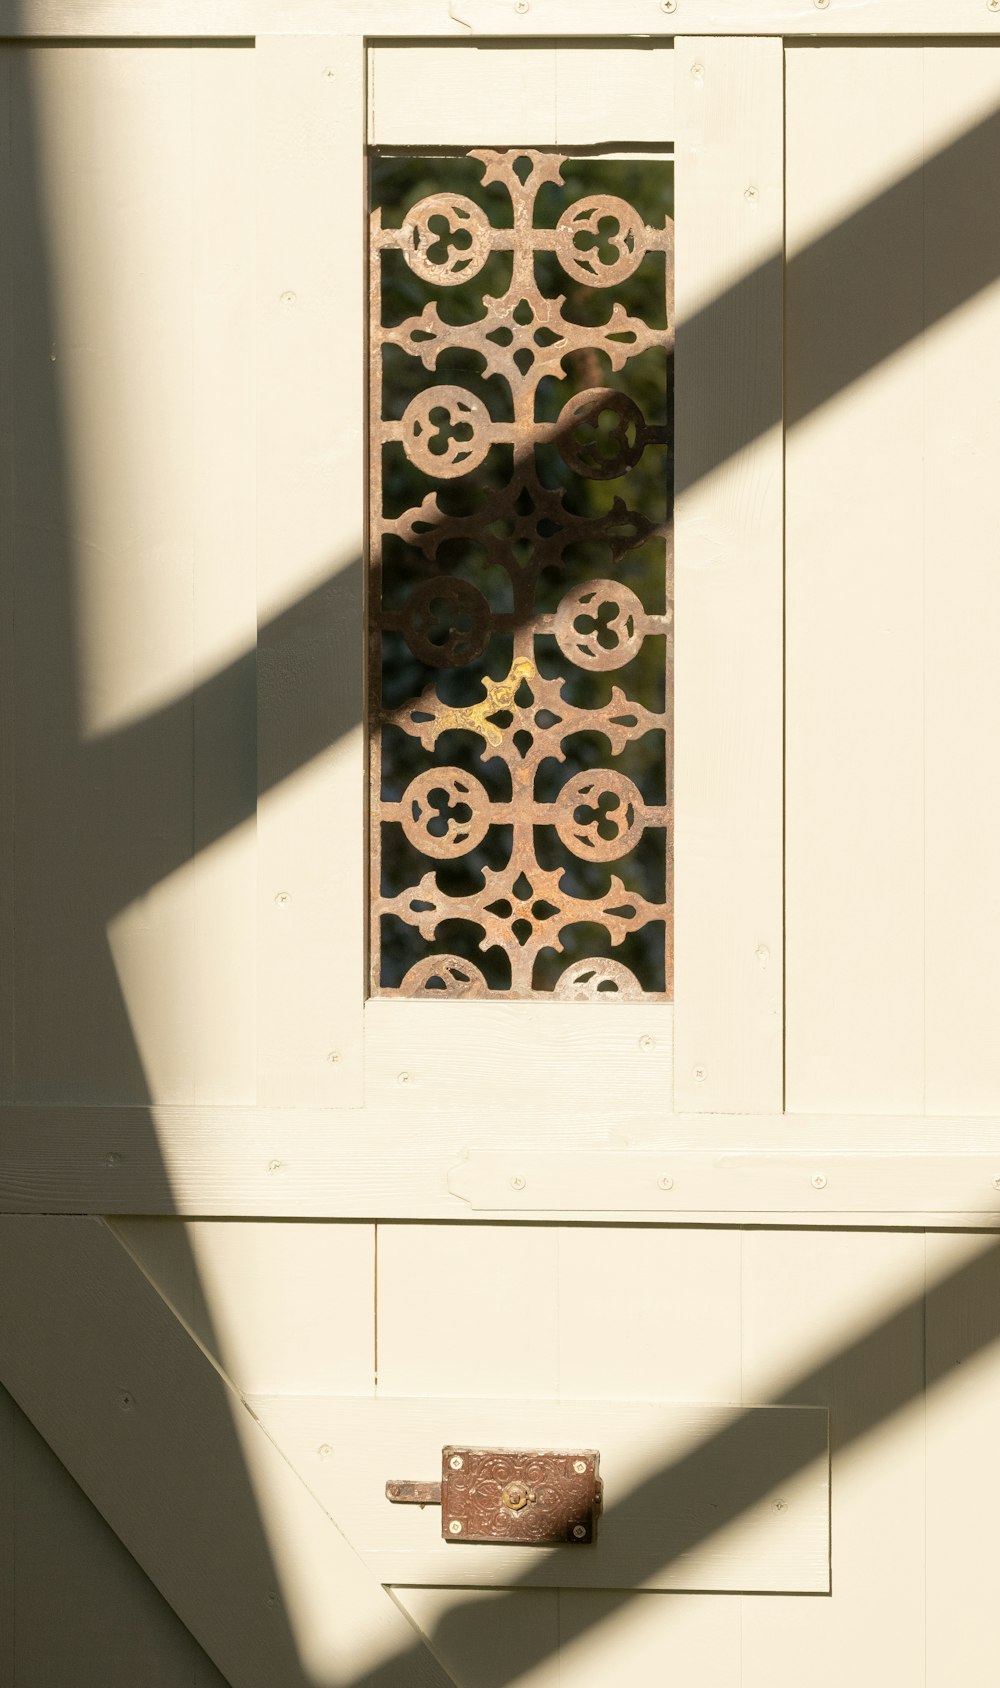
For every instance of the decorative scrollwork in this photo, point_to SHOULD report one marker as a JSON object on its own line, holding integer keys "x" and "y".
{"x": 528, "y": 532}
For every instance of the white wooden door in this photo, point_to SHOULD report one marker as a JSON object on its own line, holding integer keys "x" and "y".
{"x": 266, "y": 1240}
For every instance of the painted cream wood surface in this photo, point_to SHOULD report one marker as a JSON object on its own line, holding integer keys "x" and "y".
{"x": 456, "y": 18}
{"x": 542, "y": 96}
{"x": 130, "y": 541}
{"x": 961, "y": 1485}
{"x": 292, "y": 1163}
{"x": 560, "y": 1291}
{"x": 859, "y": 1325}
{"x": 688, "y": 1504}
{"x": 310, "y": 541}
{"x": 841, "y": 1319}
{"x": 728, "y": 663}
{"x": 163, "y": 1445}
{"x": 76, "y": 1607}
{"x": 455, "y": 1057}
{"x": 893, "y": 922}
{"x": 129, "y": 538}
{"x": 277, "y": 1305}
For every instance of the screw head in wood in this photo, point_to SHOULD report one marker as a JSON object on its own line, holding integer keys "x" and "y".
{"x": 517, "y": 1182}
{"x": 647, "y": 1043}
{"x": 666, "y": 1182}
{"x": 455, "y": 1527}
{"x": 282, "y": 897}
{"x": 579, "y": 1531}
{"x": 996, "y": 1181}
{"x": 579, "y": 1466}
{"x": 456, "y": 1462}
{"x": 668, "y": 5}
{"x": 819, "y": 1180}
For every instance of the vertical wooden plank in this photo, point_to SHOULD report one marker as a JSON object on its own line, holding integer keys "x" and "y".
{"x": 963, "y": 1486}
{"x": 310, "y": 831}
{"x": 489, "y": 1638}
{"x": 666, "y": 1304}
{"x": 649, "y": 1638}
{"x": 835, "y": 1319}
{"x": 182, "y": 1471}
{"x": 222, "y": 979}
{"x": 285, "y": 1307}
{"x": 962, "y": 424}
{"x": 855, "y": 471}
{"x": 86, "y": 1614}
{"x": 728, "y": 1023}
{"x": 663, "y": 1307}
{"x": 473, "y": 1310}
{"x": 7, "y": 892}
{"x": 8, "y": 1541}
{"x": 467, "y": 1310}
{"x": 103, "y": 558}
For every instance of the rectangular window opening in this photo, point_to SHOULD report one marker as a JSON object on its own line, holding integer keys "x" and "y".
{"x": 520, "y": 575}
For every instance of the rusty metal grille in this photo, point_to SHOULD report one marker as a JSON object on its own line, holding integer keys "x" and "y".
{"x": 520, "y": 583}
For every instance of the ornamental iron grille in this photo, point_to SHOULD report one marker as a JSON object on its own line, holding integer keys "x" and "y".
{"x": 520, "y": 567}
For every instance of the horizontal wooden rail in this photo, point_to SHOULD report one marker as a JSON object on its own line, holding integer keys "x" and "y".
{"x": 692, "y": 1169}
{"x": 461, "y": 20}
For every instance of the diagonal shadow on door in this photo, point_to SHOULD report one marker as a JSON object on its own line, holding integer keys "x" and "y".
{"x": 98, "y": 803}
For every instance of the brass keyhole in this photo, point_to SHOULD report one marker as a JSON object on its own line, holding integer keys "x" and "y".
{"x": 516, "y": 1496}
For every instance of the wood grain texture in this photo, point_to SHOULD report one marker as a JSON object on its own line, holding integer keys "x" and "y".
{"x": 489, "y": 1638}
{"x": 542, "y": 1637}
{"x": 278, "y": 1305}
{"x": 855, "y": 601}
{"x": 837, "y": 1320}
{"x": 182, "y": 1472}
{"x": 456, "y": 18}
{"x": 310, "y": 502}
{"x": 222, "y": 982}
{"x": 446, "y": 1295}
{"x": 81, "y": 1609}
{"x": 102, "y": 384}
{"x": 506, "y": 94}
{"x": 129, "y": 536}
{"x": 579, "y": 1058}
{"x": 962, "y": 596}
{"x": 7, "y": 578}
{"x": 962, "y": 1485}
{"x": 634, "y": 1306}
{"x": 690, "y": 1489}
{"x": 292, "y": 1163}
{"x": 729, "y": 558}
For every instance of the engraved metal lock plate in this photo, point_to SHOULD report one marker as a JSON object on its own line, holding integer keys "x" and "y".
{"x": 521, "y": 1497}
